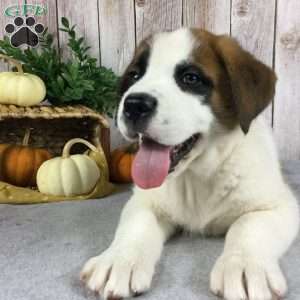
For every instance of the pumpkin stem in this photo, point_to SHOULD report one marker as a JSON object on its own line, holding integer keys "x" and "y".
{"x": 132, "y": 148}
{"x": 15, "y": 62}
{"x": 26, "y": 137}
{"x": 69, "y": 144}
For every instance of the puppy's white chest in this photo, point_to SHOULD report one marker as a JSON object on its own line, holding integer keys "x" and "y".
{"x": 201, "y": 206}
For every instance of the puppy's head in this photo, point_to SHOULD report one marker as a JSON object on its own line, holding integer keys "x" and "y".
{"x": 177, "y": 86}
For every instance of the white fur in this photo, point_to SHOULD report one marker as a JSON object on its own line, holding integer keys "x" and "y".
{"x": 230, "y": 182}
{"x": 175, "y": 106}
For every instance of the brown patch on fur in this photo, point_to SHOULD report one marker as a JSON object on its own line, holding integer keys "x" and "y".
{"x": 144, "y": 46}
{"x": 243, "y": 86}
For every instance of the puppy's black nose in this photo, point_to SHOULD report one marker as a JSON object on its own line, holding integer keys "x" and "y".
{"x": 139, "y": 106}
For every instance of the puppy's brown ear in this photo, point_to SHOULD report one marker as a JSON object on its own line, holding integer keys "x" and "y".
{"x": 252, "y": 82}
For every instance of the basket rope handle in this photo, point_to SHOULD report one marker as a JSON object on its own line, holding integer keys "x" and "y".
{"x": 14, "y": 62}
{"x": 69, "y": 144}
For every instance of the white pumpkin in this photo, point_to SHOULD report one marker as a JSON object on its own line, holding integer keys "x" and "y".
{"x": 68, "y": 175}
{"x": 20, "y": 88}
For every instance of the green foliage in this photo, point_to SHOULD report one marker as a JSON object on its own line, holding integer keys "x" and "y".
{"x": 78, "y": 80}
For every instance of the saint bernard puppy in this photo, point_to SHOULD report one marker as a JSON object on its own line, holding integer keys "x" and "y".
{"x": 207, "y": 163}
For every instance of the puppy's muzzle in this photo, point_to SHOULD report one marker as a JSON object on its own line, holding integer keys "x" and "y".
{"x": 139, "y": 108}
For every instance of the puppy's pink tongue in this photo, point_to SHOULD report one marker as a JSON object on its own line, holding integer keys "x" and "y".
{"x": 151, "y": 165}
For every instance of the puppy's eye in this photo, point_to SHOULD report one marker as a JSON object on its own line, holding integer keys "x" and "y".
{"x": 191, "y": 79}
{"x": 135, "y": 75}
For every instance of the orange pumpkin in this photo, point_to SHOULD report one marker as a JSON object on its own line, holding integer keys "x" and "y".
{"x": 19, "y": 164}
{"x": 120, "y": 163}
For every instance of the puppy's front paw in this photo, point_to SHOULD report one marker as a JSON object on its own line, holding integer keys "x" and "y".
{"x": 118, "y": 274}
{"x": 237, "y": 277}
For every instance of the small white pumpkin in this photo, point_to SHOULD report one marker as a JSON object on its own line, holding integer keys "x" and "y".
{"x": 20, "y": 88}
{"x": 69, "y": 175}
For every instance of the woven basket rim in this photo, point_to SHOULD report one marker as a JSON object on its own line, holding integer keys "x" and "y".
{"x": 50, "y": 112}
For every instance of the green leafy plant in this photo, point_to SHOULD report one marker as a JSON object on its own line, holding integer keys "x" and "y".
{"x": 77, "y": 80}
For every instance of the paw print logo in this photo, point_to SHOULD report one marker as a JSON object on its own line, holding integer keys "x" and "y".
{"x": 24, "y": 31}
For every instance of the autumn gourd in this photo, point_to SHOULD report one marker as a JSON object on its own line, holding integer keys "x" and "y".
{"x": 120, "y": 163}
{"x": 20, "y": 88}
{"x": 69, "y": 175}
{"x": 19, "y": 164}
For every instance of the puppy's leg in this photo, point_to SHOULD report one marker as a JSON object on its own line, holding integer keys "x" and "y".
{"x": 127, "y": 266}
{"x": 248, "y": 267}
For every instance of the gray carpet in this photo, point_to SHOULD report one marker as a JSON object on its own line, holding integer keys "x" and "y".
{"x": 43, "y": 248}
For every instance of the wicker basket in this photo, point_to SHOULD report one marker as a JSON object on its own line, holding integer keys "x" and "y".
{"x": 51, "y": 127}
